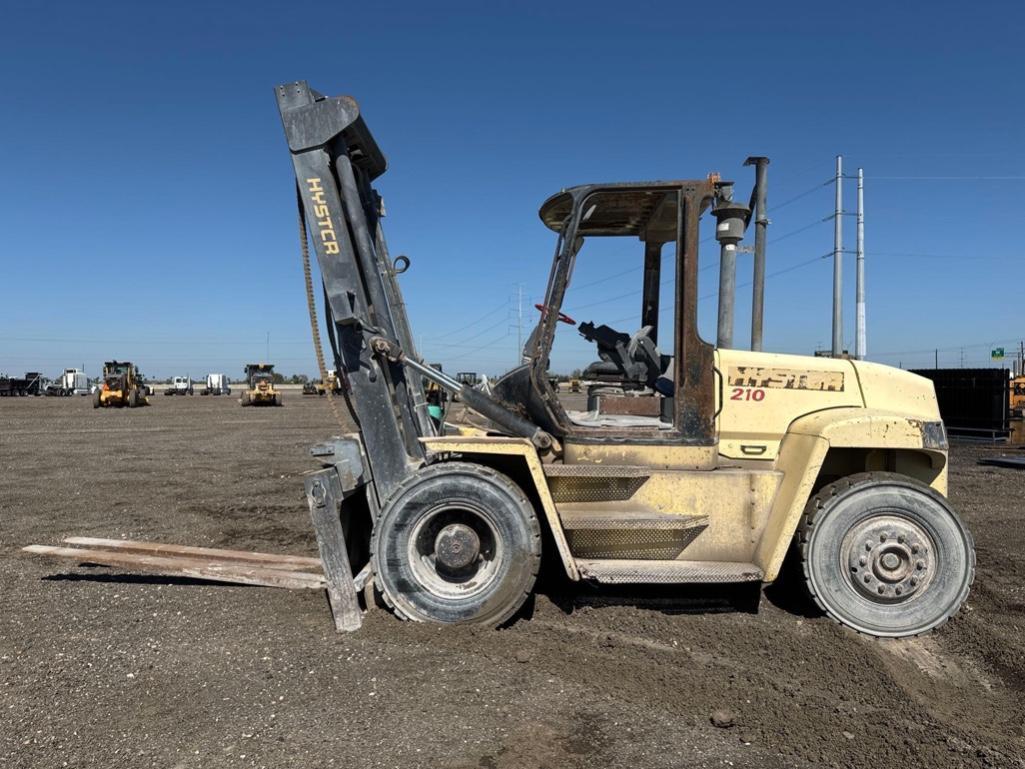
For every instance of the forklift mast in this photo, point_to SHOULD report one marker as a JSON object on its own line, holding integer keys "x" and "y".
{"x": 336, "y": 159}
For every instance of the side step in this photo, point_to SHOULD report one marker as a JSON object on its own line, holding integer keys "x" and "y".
{"x": 604, "y": 516}
{"x": 615, "y": 571}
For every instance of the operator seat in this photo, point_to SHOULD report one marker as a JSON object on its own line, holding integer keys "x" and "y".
{"x": 627, "y": 359}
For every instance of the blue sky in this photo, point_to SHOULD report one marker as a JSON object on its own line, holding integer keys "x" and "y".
{"x": 147, "y": 203}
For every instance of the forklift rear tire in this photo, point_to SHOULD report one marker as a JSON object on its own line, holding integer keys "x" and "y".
{"x": 133, "y": 398}
{"x": 96, "y": 399}
{"x": 456, "y": 543}
{"x": 277, "y": 399}
{"x": 245, "y": 399}
{"x": 886, "y": 555}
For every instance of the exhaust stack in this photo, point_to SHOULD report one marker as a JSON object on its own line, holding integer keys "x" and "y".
{"x": 758, "y": 197}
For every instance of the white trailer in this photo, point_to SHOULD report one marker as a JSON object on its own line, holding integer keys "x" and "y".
{"x": 217, "y": 384}
{"x": 180, "y": 385}
{"x": 72, "y": 382}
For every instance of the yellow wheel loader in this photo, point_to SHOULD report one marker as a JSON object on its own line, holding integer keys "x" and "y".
{"x": 701, "y": 463}
{"x": 260, "y": 390}
{"x": 329, "y": 383}
{"x": 121, "y": 386}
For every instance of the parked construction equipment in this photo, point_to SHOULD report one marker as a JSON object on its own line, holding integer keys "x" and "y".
{"x": 180, "y": 385}
{"x": 30, "y": 384}
{"x": 72, "y": 381}
{"x": 739, "y": 458}
{"x": 121, "y": 386}
{"x": 1017, "y": 396}
{"x": 216, "y": 384}
{"x": 321, "y": 388}
{"x": 260, "y": 386}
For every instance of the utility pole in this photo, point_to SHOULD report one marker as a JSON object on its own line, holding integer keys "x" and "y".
{"x": 859, "y": 339}
{"x": 761, "y": 218}
{"x": 519, "y": 320}
{"x": 266, "y": 357}
{"x": 838, "y": 262}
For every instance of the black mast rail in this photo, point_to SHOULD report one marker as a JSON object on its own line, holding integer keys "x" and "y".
{"x": 336, "y": 159}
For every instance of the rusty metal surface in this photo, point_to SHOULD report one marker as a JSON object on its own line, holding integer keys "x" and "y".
{"x": 629, "y": 209}
{"x": 643, "y": 545}
{"x": 608, "y": 488}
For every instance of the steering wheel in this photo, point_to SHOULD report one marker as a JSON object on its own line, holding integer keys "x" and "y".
{"x": 563, "y": 317}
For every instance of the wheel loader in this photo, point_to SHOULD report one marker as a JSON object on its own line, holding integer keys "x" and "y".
{"x": 121, "y": 385}
{"x": 701, "y": 464}
{"x": 260, "y": 390}
{"x": 330, "y": 382}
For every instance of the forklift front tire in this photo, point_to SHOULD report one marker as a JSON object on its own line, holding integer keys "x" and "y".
{"x": 456, "y": 543}
{"x": 96, "y": 399}
{"x": 886, "y": 555}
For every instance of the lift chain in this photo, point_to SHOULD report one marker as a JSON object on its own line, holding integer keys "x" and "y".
{"x": 311, "y": 305}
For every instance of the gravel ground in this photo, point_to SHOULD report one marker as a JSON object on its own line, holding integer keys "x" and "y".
{"x": 101, "y": 668}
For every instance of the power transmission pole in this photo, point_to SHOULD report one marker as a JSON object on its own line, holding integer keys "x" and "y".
{"x": 859, "y": 338}
{"x": 519, "y": 320}
{"x": 838, "y": 262}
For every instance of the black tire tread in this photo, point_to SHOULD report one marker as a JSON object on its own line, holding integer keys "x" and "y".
{"x": 844, "y": 485}
{"x": 495, "y": 476}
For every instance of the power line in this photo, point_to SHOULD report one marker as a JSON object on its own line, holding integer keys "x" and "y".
{"x": 949, "y": 178}
{"x": 462, "y": 342}
{"x": 483, "y": 317}
{"x": 804, "y": 194}
{"x": 484, "y": 346}
{"x": 924, "y": 350}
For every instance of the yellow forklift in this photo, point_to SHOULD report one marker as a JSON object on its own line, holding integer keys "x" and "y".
{"x": 121, "y": 386}
{"x": 699, "y": 463}
{"x": 702, "y": 464}
{"x": 260, "y": 390}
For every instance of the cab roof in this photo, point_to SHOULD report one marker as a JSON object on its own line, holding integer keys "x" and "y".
{"x": 625, "y": 208}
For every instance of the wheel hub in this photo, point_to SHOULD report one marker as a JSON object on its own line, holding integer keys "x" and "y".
{"x": 454, "y": 550}
{"x": 890, "y": 558}
{"x": 457, "y": 546}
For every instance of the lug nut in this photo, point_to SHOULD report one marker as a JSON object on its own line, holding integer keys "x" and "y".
{"x": 901, "y": 539}
{"x": 913, "y": 582}
{"x": 868, "y": 545}
{"x": 914, "y": 549}
{"x": 863, "y": 560}
{"x": 868, "y": 578}
{"x": 883, "y": 537}
{"x": 881, "y": 590}
{"x": 920, "y": 565}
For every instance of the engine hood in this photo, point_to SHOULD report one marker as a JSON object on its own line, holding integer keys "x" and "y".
{"x": 763, "y": 393}
{"x": 893, "y": 389}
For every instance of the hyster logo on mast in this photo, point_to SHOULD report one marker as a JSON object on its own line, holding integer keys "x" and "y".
{"x": 323, "y": 216}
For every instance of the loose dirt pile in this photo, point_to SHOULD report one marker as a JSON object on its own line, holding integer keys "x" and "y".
{"x": 102, "y": 668}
